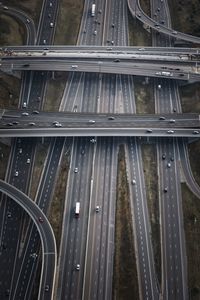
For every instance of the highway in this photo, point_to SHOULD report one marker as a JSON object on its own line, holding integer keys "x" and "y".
{"x": 49, "y": 253}
{"x": 173, "y": 253}
{"x": 88, "y": 241}
{"x": 32, "y": 91}
{"x": 136, "y": 11}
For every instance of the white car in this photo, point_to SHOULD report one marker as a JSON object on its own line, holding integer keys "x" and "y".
{"x": 91, "y": 121}
{"x": 77, "y": 267}
{"x": 133, "y": 181}
{"x": 28, "y": 161}
{"x": 75, "y": 170}
{"x": 16, "y": 173}
{"x": 97, "y": 209}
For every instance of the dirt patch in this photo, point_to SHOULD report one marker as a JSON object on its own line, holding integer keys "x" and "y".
{"x": 55, "y": 89}
{"x": 145, "y": 5}
{"x": 190, "y": 95}
{"x": 185, "y": 16}
{"x": 194, "y": 152}
{"x": 40, "y": 156}
{"x": 125, "y": 280}
{"x": 10, "y": 89}
{"x": 191, "y": 212}
{"x": 144, "y": 95}
{"x": 4, "y": 155}
{"x": 138, "y": 36}
{"x": 56, "y": 210}
{"x": 69, "y": 18}
{"x": 151, "y": 181}
{"x": 12, "y": 32}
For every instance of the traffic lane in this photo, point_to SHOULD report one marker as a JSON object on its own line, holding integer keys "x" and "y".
{"x": 139, "y": 220}
{"x": 77, "y": 192}
{"x": 172, "y": 229}
{"x": 37, "y": 115}
{"x": 121, "y": 131}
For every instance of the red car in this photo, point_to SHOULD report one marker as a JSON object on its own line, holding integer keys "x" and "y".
{"x": 40, "y": 220}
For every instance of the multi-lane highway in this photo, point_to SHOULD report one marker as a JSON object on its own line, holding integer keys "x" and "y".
{"x": 49, "y": 252}
{"x": 87, "y": 242}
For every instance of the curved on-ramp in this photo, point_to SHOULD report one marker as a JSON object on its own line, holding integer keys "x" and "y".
{"x": 49, "y": 252}
{"x": 25, "y": 20}
{"x": 136, "y": 11}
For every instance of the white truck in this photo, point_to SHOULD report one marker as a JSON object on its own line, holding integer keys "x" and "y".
{"x": 77, "y": 209}
{"x": 93, "y": 10}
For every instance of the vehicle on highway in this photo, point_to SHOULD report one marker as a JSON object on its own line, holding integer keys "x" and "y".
{"x": 174, "y": 109}
{"x": 26, "y": 65}
{"x": 168, "y": 165}
{"x": 27, "y": 20}
{"x": 9, "y": 215}
{"x": 77, "y": 209}
{"x": 111, "y": 118}
{"x": 93, "y": 141}
{"x": 91, "y": 121}
{"x": 172, "y": 158}
{"x": 97, "y": 209}
{"x": 164, "y": 73}
{"x": 163, "y": 156}
{"x": 165, "y": 190}
{"x": 40, "y": 219}
{"x": 75, "y": 170}
{"x": 162, "y": 118}
{"x": 31, "y": 124}
{"x": 58, "y": 125}
{"x": 93, "y": 10}
{"x": 10, "y": 124}
{"x": 172, "y": 121}
{"x": 77, "y": 267}
{"x": 50, "y": 4}
{"x": 44, "y": 42}
{"x": 170, "y": 131}
{"x": 133, "y": 182}
{"x": 20, "y": 150}
{"x": 16, "y": 173}
{"x": 5, "y": 7}
{"x": 117, "y": 60}
{"x": 15, "y": 122}
{"x": 46, "y": 288}
{"x": 195, "y": 132}
{"x": 149, "y": 130}
{"x": 174, "y": 32}
{"x": 159, "y": 86}
{"x": 35, "y": 112}
{"x": 95, "y": 32}
{"x": 51, "y": 25}
{"x": 34, "y": 255}
{"x": 25, "y": 114}
{"x": 24, "y": 105}
{"x": 74, "y": 67}
{"x": 28, "y": 161}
